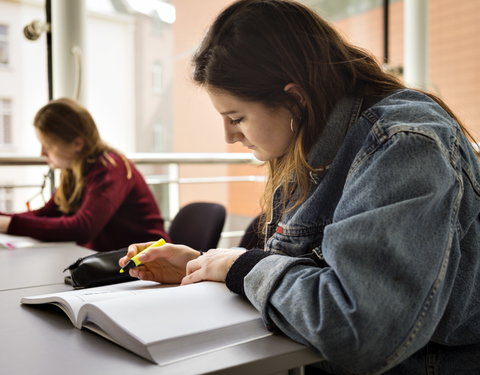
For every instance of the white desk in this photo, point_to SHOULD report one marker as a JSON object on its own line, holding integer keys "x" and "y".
{"x": 42, "y": 340}
{"x": 23, "y": 268}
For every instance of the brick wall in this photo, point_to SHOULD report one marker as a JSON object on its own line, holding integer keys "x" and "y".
{"x": 454, "y": 54}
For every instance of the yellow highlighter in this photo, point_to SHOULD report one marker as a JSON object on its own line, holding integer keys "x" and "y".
{"x": 134, "y": 262}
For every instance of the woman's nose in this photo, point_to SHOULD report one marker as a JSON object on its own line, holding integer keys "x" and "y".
{"x": 43, "y": 152}
{"x": 232, "y": 134}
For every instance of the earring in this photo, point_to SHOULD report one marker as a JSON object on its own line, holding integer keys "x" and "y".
{"x": 291, "y": 125}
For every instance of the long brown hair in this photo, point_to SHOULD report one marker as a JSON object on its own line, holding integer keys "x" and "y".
{"x": 64, "y": 120}
{"x": 256, "y": 47}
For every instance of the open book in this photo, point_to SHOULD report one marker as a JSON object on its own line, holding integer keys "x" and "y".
{"x": 161, "y": 323}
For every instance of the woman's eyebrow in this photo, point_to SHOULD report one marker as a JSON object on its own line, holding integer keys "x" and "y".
{"x": 228, "y": 113}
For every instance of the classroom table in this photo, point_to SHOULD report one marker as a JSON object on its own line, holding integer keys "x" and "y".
{"x": 36, "y": 266}
{"x": 42, "y": 340}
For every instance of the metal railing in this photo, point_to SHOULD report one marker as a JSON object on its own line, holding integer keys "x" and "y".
{"x": 171, "y": 178}
{"x": 150, "y": 158}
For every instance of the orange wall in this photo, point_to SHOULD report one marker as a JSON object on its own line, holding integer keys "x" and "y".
{"x": 197, "y": 126}
{"x": 245, "y": 196}
{"x": 454, "y": 56}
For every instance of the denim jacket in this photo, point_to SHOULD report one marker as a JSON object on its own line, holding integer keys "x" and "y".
{"x": 395, "y": 219}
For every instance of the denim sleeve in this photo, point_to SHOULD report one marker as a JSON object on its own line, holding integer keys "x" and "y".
{"x": 387, "y": 283}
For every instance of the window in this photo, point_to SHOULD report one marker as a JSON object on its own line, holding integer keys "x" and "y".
{"x": 4, "y": 45}
{"x": 341, "y": 9}
{"x": 6, "y": 199}
{"x": 5, "y": 121}
{"x": 160, "y": 137}
{"x": 157, "y": 79}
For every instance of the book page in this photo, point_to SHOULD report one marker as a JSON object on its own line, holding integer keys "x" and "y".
{"x": 162, "y": 323}
{"x": 166, "y": 325}
{"x": 71, "y": 301}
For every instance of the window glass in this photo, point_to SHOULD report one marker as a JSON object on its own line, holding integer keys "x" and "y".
{"x": 4, "y": 45}
{"x": 338, "y": 9}
{"x": 5, "y": 122}
{"x": 157, "y": 79}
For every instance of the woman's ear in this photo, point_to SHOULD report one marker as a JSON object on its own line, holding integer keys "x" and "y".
{"x": 78, "y": 144}
{"x": 297, "y": 92}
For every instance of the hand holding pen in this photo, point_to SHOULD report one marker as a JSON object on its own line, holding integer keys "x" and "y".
{"x": 162, "y": 263}
{"x": 134, "y": 261}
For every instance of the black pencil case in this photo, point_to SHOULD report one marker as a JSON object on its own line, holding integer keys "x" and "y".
{"x": 97, "y": 269}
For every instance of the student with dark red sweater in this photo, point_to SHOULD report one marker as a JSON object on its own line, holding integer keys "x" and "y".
{"x": 102, "y": 201}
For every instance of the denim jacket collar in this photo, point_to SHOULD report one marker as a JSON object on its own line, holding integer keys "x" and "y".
{"x": 323, "y": 152}
{"x": 343, "y": 115}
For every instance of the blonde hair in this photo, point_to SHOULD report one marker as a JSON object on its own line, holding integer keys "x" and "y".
{"x": 64, "y": 120}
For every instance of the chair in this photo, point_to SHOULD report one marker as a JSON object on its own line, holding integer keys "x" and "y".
{"x": 198, "y": 225}
{"x": 252, "y": 238}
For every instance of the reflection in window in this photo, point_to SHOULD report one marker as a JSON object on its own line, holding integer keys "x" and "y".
{"x": 340, "y": 9}
{"x": 159, "y": 134}
{"x": 5, "y": 121}
{"x": 6, "y": 199}
{"x": 3, "y": 45}
{"x": 157, "y": 79}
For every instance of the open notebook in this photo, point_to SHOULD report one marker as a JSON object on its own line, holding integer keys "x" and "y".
{"x": 161, "y": 323}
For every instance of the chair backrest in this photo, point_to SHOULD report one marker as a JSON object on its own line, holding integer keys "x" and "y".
{"x": 198, "y": 225}
{"x": 252, "y": 238}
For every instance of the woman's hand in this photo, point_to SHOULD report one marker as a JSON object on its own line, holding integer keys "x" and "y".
{"x": 164, "y": 264}
{"x": 212, "y": 265}
{"x": 4, "y": 223}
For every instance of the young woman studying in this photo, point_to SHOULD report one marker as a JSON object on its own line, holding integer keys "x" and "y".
{"x": 102, "y": 201}
{"x": 372, "y": 250}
